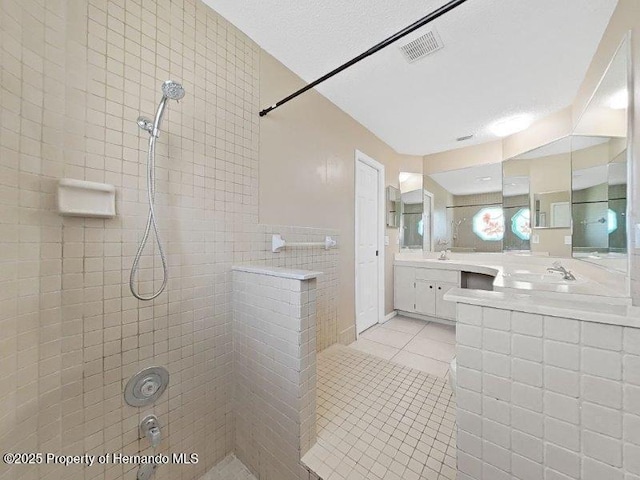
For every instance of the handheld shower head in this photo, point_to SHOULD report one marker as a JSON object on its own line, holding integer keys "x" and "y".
{"x": 172, "y": 90}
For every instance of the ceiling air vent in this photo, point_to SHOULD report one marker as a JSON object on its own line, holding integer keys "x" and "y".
{"x": 422, "y": 46}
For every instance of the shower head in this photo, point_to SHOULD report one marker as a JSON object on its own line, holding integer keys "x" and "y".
{"x": 172, "y": 90}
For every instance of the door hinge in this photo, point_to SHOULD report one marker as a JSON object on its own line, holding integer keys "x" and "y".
{"x": 376, "y": 253}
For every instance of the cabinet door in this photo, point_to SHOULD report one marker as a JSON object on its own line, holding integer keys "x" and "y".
{"x": 445, "y": 309}
{"x": 404, "y": 291}
{"x": 426, "y": 298}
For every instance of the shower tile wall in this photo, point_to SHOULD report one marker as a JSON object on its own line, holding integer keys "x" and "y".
{"x": 316, "y": 258}
{"x": 75, "y": 76}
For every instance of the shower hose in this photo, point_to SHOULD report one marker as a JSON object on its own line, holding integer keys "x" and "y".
{"x": 151, "y": 223}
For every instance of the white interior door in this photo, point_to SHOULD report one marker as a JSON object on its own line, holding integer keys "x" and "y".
{"x": 368, "y": 255}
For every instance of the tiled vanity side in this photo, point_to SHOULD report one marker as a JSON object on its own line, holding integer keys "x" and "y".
{"x": 543, "y": 397}
{"x": 274, "y": 331}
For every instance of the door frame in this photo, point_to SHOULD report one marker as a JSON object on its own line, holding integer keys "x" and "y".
{"x": 367, "y": 160}
{"x": 428, "y": 194}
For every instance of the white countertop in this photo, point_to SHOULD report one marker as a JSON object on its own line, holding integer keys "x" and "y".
{"x": 598, "y": 295}
{"x": 281, "y": 272}
{"x": 624, "y": 315}
{"x": 592, "y": 280}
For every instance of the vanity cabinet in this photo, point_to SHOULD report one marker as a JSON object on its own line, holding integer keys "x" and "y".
{"x": 421, "y": 291}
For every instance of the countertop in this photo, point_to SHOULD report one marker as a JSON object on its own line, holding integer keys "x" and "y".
{"x": 599, "y": 295}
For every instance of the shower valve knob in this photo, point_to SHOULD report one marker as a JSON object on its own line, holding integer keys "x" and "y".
{"x": 150, "y": 428}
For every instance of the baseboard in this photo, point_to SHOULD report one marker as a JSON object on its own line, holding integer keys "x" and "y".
{"x": 389, "y": 316}
{"x": 426, "y": 318}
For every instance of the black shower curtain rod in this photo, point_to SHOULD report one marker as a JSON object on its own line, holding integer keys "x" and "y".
{"x": 405, "y": 31}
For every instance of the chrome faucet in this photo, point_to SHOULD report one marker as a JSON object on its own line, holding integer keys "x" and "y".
{"x": 443, "y": 254}
{"x": 566, "y": 274}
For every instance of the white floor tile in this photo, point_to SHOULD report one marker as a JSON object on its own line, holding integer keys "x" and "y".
{"x": 441, "y": 351}
{"x": 230, "y": 468}
{"x": 425, "y": 364}
{"x": 374, "y": 348}
{"x": 405, "y": 324}
{"x": 388, "y": 337}
{"x": 439, "y": 332}
{"x": 364, "y": 441}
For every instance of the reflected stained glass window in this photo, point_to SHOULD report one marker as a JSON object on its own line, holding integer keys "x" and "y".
{"x": 488, "y": 224}
{"x": 521, "y": 224}
{"x": 612, "y": 221}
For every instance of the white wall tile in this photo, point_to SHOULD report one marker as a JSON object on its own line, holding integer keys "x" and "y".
{"x": 562, "y": 460}
{"x": 562, "y": 329}
{"x": 603, "y": 448}
{"x": 561, "y": 433}
{"x": 607, "y": 421}
{"x": 602, "y": 336}
{"x": 526, "y": 324}
{"x": 527, "y": 347}
{"x": 602, "y": 363}
{"x": 602, "y": 391}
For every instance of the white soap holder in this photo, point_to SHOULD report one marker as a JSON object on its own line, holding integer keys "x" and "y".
{"x": 79, "y": 198}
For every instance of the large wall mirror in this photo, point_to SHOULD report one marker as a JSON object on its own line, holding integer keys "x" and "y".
{"x": 600, "y": 170}
{"x": 414, "y": 213}
{"x": 470, "y": 201}
{"x": 566, "y": 198}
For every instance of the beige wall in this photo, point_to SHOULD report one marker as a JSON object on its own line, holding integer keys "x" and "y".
{"x": 307, "y": 167}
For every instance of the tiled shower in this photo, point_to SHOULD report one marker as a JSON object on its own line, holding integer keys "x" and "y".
{"x": 75, "y": 76}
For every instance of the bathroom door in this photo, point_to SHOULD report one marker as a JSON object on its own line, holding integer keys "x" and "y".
{"x": 369, "y": 246}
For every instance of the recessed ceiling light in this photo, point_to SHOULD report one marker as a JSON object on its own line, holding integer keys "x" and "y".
{"x": 511, "y": 125}
{"x": 619, "y": 100}
{"x": 483, "y": 179}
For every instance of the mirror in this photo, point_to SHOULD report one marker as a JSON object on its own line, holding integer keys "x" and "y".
{"x": 516, "y": 206}
{"x": 600, "y": 170}
{"x": 414, "y": 221}
{"x": 393, "y": 206}
{"x": 599, "y": 206}
{"x": 538, "y": 183}
{"x": 552, "y": 209}
{"x": 472, "y": 200}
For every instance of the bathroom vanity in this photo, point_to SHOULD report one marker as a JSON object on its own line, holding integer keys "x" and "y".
{"x": 422, "y": 281}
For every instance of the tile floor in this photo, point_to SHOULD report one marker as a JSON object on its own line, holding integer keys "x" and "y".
{"x": 229, "y": 469}
{"x": 381, "y": 420}
{"x": 426, "y": 346}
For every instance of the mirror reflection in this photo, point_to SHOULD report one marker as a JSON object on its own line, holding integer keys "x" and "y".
{"x": 516, "y": 206}
{"x": 474, "y": 215}
{"x": 599, "y": 162}
{"x": 414, "y": 220}
{"x": 600, "y": 199}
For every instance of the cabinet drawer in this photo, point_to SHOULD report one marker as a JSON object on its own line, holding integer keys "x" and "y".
{"x": 429, "y": 274}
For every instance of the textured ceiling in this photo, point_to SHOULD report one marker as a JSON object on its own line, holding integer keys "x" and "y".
{"x": 500, "y": 57}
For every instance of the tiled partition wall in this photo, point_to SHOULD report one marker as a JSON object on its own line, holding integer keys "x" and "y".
{"x": 546, "y": 397}
{"x": 308, "y": 258}
{"x": 274, "y": 341}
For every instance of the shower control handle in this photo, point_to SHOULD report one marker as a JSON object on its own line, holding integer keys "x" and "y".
{"x": 150, "y": 428}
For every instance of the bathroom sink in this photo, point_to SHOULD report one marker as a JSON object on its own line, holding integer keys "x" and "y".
{"x": 548, "y": 278}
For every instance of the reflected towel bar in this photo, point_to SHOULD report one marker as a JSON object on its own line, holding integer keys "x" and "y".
{"x": 278, "y": 243}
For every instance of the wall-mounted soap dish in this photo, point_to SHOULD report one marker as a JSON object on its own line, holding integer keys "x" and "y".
{"x": 79, "y": 198}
